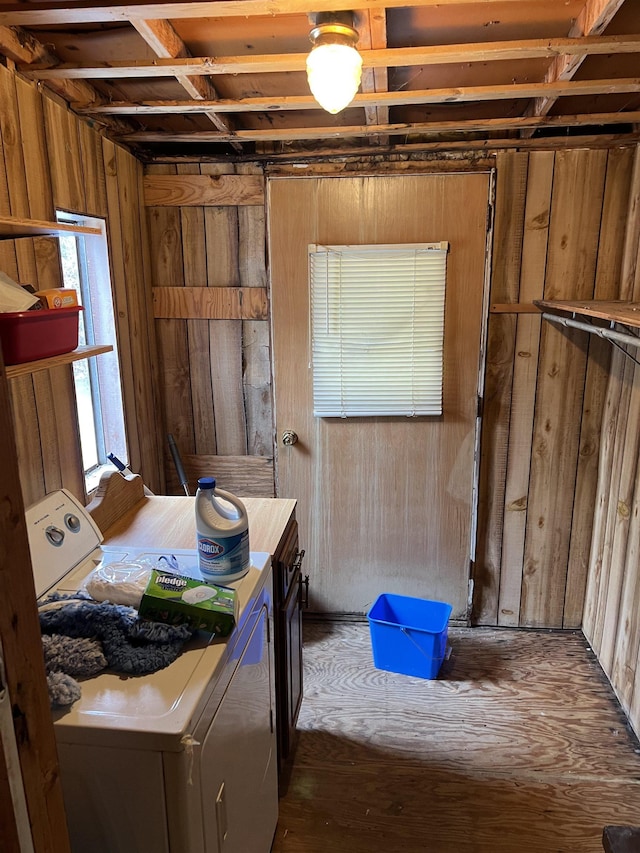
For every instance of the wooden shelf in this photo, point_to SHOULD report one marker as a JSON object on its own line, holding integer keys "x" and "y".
{"x": 77, "y": 354}
{"x": 627, "y": 313}
{"x": 11, "y": 228}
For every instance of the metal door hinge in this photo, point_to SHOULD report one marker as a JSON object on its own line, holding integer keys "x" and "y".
{"x": 489, "y": 217}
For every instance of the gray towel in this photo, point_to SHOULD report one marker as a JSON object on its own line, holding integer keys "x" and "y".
{"x": 82, "y": 636}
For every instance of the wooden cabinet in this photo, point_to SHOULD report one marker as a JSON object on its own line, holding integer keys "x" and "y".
{"x": 288, "y": 583}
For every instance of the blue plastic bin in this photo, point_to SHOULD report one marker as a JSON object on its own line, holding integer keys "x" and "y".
{"x": 409, "y": 635}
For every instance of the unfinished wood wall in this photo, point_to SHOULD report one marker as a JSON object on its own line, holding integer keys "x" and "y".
{"x": 560, "y": 233}
{"x": 207, "y": 236}
{"x": 49, "y": 160}
{"x": 612, "y": 605}
{"x": 561, "y": 229}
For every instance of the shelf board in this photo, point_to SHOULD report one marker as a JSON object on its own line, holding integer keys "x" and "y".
{"x": 627, "y": 313}
{"x": 78, "y": 354}
{"x": 11, "y": 228}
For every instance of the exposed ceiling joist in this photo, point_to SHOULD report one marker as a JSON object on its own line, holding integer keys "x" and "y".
{"x": 86, "y": 11}
{"x": 373, "y": 35}
{"x": 241, "y": 66}
{"x": 165, "y": 42}
{"x": 21, "y": 48}
{"x": 593, "y": 19}
{"x": 413, "y": 129}
{"x": 374, "y": 58}
{"x": 375, "y": 99}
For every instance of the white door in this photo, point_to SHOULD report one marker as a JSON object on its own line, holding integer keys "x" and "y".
{"x": 384, "y": 504}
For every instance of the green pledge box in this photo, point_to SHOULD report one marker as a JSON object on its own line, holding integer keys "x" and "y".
{"x": 178, "y": 600}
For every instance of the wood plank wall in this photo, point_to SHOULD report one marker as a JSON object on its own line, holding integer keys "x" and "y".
{"x": 566, "y": 226}
{"x": 560, "y": 233}
{"x": 207, "y": 237}
{"x": 50, "y": 160}
{"x": 613, "y": 589}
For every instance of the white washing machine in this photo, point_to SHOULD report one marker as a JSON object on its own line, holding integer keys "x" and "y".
{"x": 179, "y": 761}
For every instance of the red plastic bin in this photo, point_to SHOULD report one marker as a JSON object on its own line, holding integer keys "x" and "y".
{"x": 30, "y": 335}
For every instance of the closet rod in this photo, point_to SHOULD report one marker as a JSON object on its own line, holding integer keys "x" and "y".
{"x": 609, "y": 334}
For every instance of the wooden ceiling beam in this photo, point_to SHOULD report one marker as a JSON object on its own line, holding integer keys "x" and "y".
{"x": 429, "y": 128}
{"x": 375, "y": 58}
{"x": 372, "y": 29}
{"x": 466, "y": 153}
{"x": 593, "y": 20}
{"x": 21, "y": 47}
{"x": 367, "y": 83}
{"x": 89, "y": 11}
{"x": 166, "y": 43}
{"x": 375, "y": 99}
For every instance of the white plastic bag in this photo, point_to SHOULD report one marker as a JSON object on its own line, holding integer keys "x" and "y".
{"x": 13, "y": 297}
{"x": 119, "y": 583}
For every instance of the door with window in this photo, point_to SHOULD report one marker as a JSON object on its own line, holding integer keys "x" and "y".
{"x": 385, "y": 503}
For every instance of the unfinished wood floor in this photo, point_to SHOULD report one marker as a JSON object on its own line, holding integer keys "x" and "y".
{"x": 518, "y": 747}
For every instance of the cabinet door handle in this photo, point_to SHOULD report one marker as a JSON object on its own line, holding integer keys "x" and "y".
{"x": 297, "y": 561}
{"x": 221, "y": 815}
{"x": 304, "y": 599}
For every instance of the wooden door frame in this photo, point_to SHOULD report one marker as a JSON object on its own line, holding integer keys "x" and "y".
{"x": 482, "y": 370}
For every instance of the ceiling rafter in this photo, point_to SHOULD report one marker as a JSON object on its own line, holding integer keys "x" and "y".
{"x": 372, "y": 29}
{"x": 22, "y": 48}
{"x": 592, "y": 21}
{"x": 413, "y": 128}
{"x": 166, "y": 43}
{"x": 97, "y": 39}
{"x": 86, "y": 11}
{"x": 374, "y": 58}
{"x": 375, "y": 99}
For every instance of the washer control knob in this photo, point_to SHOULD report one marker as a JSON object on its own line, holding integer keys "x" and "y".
{"x": 72, "y": 521}
{"x": 55, "y": 535}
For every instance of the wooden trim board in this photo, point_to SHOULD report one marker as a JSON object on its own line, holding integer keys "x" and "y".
{"x": 210, "y": 303}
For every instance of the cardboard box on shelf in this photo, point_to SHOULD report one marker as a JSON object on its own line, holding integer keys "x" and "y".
{"x": 58, "y": 297}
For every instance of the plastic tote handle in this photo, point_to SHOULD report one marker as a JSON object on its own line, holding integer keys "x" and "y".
{"x": 447, "y": 651}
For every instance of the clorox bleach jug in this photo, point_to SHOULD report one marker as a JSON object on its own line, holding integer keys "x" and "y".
{"x": 223, "y": 533}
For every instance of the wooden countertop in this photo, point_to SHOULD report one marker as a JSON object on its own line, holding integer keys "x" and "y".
{"x": 169, "y": 522}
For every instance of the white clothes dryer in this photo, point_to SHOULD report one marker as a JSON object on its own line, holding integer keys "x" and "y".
{"x": 179, "y": 761}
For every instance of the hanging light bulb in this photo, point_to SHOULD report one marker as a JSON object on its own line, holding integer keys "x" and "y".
{"x": 334, "y": 66}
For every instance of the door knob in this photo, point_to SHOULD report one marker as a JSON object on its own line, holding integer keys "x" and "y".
{"x": 289, "y": 437}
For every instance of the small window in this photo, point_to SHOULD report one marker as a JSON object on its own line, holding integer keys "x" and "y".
{"x": 85, "y": 268}
{"x": 377, "y": 329}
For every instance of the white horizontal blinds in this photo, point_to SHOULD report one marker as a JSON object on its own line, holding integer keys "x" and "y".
{"x": 377, "y": 329}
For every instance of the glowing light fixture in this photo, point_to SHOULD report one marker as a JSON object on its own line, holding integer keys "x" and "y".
{"x": 334, "y": 66}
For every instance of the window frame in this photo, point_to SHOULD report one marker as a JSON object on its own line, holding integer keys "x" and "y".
{"x": 99, "y": 324}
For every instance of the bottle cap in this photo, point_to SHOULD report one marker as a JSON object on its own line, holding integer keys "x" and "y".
{"x": 207, "y": 483}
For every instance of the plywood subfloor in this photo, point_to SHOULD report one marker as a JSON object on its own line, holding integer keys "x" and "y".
{"x": 519, "y": 745}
